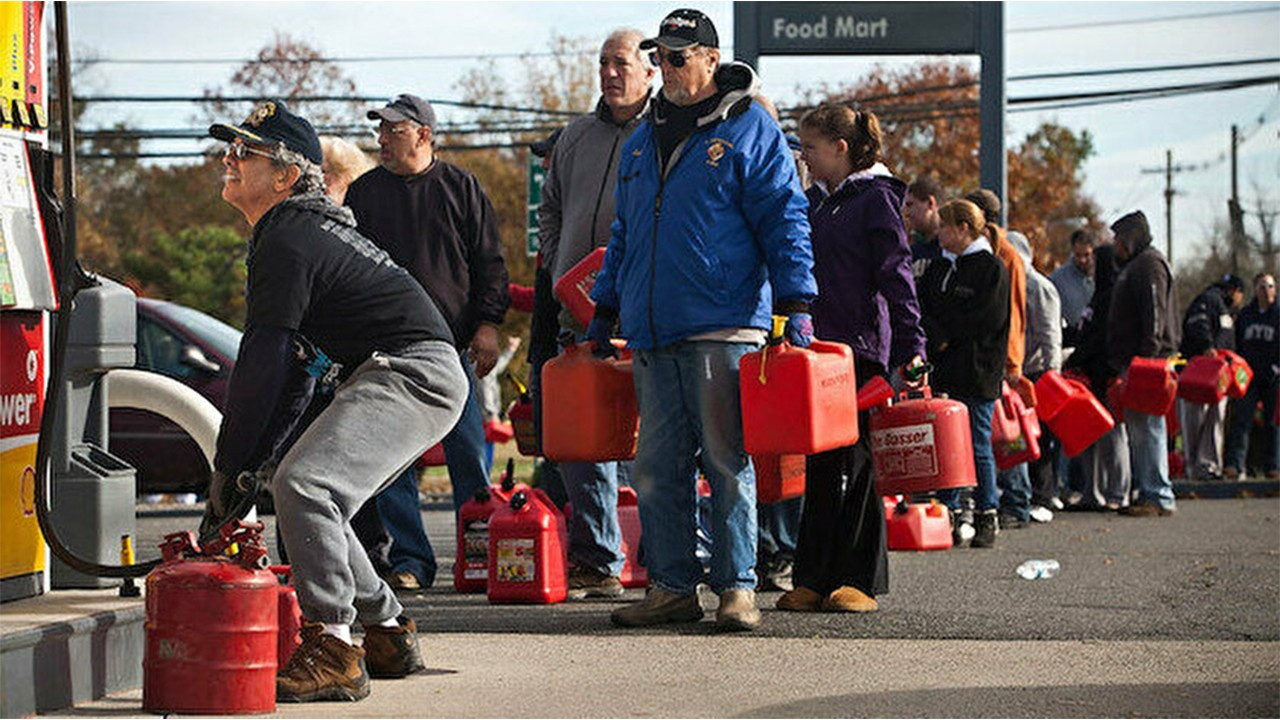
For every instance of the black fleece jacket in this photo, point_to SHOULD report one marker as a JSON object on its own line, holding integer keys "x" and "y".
{"x": 966, "y": 319}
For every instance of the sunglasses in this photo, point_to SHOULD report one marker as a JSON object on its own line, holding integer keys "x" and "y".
{"x": 239, "y": 150}
{"x": 675, "y": 60}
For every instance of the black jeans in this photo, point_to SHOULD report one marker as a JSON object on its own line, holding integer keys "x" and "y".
{"x": 842, "y": 533}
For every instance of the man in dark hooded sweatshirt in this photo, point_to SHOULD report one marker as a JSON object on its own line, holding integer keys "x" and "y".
{"x": 1142, "y": 322}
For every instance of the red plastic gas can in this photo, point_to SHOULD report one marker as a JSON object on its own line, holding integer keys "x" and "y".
{"x": 1203, "y": 380}
{"x": 921, "y": 444}
{"x": 211, "y": 629}
{"x": 1015, "y": 431}
{"x": 916, "y": 526}
{"x": 1080, "y": 420}
{"x": 471, "y": 563}
{"x": 521, "y": 416}
{"x": 1239, "y": 374}
{"x": 573, "y": 290}
{"x": 875, "y": 392}
{"x": 1150, "y": 386}
{"x": 778, "y": 477}
{"x": 433, "y": 456}
{"x": 798, "y": 401}
{"x": 526, "y": 551}
{"x": 289, "y": 624}
{"x": 589, "y": 409}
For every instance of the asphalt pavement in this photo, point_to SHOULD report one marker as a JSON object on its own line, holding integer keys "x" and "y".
{"x": 1176, "y": 617}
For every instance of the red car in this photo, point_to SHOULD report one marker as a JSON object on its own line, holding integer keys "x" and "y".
{"x": 197, "y": 350}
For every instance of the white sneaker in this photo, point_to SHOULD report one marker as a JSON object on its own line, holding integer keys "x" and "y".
{"x": 1057, "y": 503}
{"x": 1041, "y": 514}
{"x": 967, "y": 532}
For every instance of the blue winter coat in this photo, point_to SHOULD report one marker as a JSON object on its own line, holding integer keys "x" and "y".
{"x": 714, "y": 243}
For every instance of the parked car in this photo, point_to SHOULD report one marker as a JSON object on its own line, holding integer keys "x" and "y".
{"x": 195, "y": 349}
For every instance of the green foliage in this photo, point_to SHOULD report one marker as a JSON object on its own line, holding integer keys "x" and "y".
{"x": 201, "y": 266}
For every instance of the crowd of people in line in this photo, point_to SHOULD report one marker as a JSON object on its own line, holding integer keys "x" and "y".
{"x": 375, "y": 295}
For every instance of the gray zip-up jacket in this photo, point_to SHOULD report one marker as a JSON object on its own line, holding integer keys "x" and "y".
{"x": 1044, "y": 315}
{"x": 577, "y": 207}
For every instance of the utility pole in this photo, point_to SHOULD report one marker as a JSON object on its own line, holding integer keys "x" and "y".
{"x": 1234, "y": 212}
{"x": 1168, "y": 205}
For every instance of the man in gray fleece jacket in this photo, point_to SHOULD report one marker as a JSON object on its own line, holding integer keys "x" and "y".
{"x": 574, "y": 219}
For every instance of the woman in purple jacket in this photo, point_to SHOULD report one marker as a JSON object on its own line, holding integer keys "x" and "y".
{"x": 867, "y": 300}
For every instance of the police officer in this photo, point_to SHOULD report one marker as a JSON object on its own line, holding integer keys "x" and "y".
{"x": 317, "y": 289}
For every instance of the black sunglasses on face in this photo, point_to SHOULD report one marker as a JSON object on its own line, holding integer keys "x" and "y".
{"x": 675, "y": 60}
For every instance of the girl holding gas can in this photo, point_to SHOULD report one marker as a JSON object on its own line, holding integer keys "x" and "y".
{"x": 867, "y": 300}
{"x": 965, "y": 299}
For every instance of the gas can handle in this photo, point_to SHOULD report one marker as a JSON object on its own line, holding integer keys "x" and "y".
{"x": 925, "y": 392}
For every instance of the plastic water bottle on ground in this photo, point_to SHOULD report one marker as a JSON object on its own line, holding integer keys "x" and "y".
{"x": 1038, "y": 569}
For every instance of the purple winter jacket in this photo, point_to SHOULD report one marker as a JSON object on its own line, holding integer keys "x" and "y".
{"x": 862, "y": 262}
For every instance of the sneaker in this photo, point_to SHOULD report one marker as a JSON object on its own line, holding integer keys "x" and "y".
{"x": 776, "y": 575}
{"x": 585, "y": 582}
{"x": 404, "y": 581}
{"x": 738, "y": 610}
{"x": 1231, "y": 473}
{"x": 658, "y": 607}
{"x": 1012, "y": 522}
{"x": 322, "y": 668}
{"x": 392, "y": 652}
{"x": 1041, "y": 514}
{"x": 801, "y": 599}
{"x": 1057, "y": 503}
{"x": 849, "y": 599}
{"x": 961, "y": 527}
{"x": 986, "y": 527}
{"x": 1147, "y": 510}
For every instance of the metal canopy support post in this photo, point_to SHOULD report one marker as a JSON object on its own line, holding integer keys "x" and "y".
{"x": 746, "y": 33}
{"x": 991, "y": 152}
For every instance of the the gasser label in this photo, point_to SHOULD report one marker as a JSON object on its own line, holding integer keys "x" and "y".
{"x": 906, "y": 451}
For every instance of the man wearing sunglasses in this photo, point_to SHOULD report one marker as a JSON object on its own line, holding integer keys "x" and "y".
{"x": 711, "y": 238}
{"x": 316, "y": 284}
{"x": 436, "y": 221}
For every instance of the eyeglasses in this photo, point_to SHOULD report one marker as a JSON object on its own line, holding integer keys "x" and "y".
{"x": 675, "y": 60}
{"x": 239, "y": 150}
{"x": 388, "y": 129}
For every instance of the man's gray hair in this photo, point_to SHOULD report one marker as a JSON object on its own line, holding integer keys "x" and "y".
{"x": 312, "y": 178}
{"x": 628, "y": 35}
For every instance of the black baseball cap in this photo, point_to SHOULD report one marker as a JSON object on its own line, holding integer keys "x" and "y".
{"x": 1231, "y": 282}
{"x": 406, "y": 107}
{"x": 684, "y": 28}
{"x": 271, "y": 123}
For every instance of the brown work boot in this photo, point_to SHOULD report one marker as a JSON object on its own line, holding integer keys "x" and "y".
{"x": 392, "y": 652}
{"x": 1147, "y": 510}
{"x": 322, "y": 668}
{"x": 802, "y": 599}
{"x": 738, "y": 610}
{"x": 659, "y": 606}
{"x": 850, "y": 599}
{"x": 585, "y": 582}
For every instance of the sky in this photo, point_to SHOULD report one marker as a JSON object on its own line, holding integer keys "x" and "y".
{"x": 1041, "y": 37}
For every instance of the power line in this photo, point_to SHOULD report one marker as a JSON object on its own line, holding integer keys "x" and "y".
{"x": 1150, "y": 94}
{"x": 312, "y": 98}
{"x": 1147, "y": 69}
{"x": 1143, "y": 21}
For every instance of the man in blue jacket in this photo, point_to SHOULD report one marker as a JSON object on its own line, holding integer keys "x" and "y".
{"x": 711, "y": 238}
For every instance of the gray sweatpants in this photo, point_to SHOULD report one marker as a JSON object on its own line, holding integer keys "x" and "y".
{"x": 1203, "y": 427}
{"x": 384, "y": 416}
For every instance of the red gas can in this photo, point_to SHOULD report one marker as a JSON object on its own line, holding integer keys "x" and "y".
{"x": 922, "y": 444}
{"x": 916, "y": 526}
{"x": 211, "y": 627}
{"x": 1239, "y": 374}
{"x": 289, "y": 632}
{"x": 521, "y": 415}
{"x": 633, "y": 573}
{"x": 471, "y": 563}
{"x": 1150, "y": 386}
{"x": 1015, "y": 431}
{"x": 526, "y": 551}
{"x": 1204, "y": 380}
{"x": 875, "y": 392}
{"x": 588, "y": 407}
{"x": 1052, "y": 393}
{"x": 798, "y": 401}
{"x": 573, "y": 290}
{"x": 432, "y": 457}
{"x": 1080, "y": 421}
{"x": 778, "y": 477}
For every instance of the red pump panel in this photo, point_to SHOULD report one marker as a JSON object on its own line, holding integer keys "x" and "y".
{"x": 798, "y": 401}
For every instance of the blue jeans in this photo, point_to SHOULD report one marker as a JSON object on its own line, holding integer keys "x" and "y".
{"x": 689, "y": 405}
{"x": 1149, "y": 458}
{"x": 986, "y": 495}
{"x": 595, "y": 538}
{"x": 779, "y": 528}
{"x": 1015, "y": 492}
{"x": 398, "y": 503}
{"x": 1242, "y": 422}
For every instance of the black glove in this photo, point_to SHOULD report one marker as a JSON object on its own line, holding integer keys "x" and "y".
{"x": 226, "y": 494}
{"x": 600, "y": 331}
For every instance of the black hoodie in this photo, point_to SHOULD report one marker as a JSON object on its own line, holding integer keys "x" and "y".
{"x": 1142, "y": 319}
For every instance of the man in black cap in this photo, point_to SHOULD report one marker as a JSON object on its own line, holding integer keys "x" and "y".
{"x": 324, "y": 304}
{"x": 1208, "y": 326}
{"x": 436, "y": 221}
{"x": 1142, "y": 322}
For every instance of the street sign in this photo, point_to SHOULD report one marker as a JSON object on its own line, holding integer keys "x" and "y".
{"x": 867, "y": 27}
{"x": 536, "y": 177}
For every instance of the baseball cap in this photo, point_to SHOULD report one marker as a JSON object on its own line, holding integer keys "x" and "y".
{"x": 682, "y": 29}
{"x": 406, "y": 107}
{"x": 987, "y": 202}
{"x": 1232, "y": 282}
{"x": 271, "y": 123}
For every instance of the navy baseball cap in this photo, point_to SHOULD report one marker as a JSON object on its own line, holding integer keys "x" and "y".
{"x": 406, "y": 107}
{"x": 684, "y": 28}
{"x": 271, "y": 123}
